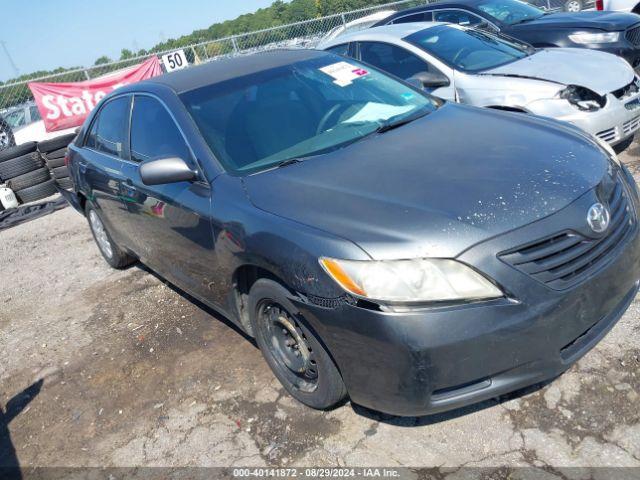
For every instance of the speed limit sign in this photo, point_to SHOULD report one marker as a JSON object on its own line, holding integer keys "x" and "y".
{"x": 175, "y": 60}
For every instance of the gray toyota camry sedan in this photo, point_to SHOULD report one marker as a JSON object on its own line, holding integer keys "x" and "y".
{"x": 412, "y": 254}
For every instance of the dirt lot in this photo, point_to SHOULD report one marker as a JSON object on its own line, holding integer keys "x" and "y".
{"x": 136, "y": 375}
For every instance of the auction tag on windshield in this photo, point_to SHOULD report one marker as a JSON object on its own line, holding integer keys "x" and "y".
{"x": 344, "y": 73}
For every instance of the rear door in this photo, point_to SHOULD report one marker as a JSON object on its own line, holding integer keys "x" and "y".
{"x": 169, "y": 224}
{"x": 100, "y": 162}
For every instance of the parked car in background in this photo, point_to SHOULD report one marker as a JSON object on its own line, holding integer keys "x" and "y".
{"x": 617, "y": 33}
{"x": 618, "y": 6}
{"x": 358, "y": 24}
{"x": 22, "y": 115}
{"x": 595, "y": 91}
{"x": 6, "y": 135}
{"x": 415, "y": 254}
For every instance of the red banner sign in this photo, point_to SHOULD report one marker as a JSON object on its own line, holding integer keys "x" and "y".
{"x": 66, "y": 105}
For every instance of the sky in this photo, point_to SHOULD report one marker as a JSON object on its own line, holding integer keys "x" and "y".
{"x": 45, "y": 34}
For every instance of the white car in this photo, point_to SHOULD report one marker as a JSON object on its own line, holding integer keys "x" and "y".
{"x": 358, "y": 24}
{"x": 618, "y": 5}
{"x": 595, "y": 91}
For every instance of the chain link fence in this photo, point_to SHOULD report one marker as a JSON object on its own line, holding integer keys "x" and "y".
{"x": 16, "y": 100}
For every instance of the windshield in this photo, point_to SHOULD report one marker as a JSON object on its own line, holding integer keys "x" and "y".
{"x": 305, "y": 109}
{"x": 510, "y": 11}
{"x": 466, "y": 49}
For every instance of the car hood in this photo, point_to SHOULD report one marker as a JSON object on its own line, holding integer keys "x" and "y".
{"x": 437, "y": 186}
{"x": 608, "y": 21}
{"x": 598, "y": 71}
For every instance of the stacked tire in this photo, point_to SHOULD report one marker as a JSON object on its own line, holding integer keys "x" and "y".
{"x": 22, "y": 168}
{"x": 54, "y": 151}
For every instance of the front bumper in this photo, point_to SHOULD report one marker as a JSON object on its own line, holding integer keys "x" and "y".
{"x": 443, "y": 358}
{"x": 615, "y": 123}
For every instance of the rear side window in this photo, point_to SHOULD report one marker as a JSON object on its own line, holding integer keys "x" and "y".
{"x": 340, "y": 49}
{"x": 109, "y": 131}
{"x": 390, "y": 58}
{"x": 154, "y": 134}
{"x": 457, "y": 16}
{"x": 416, "y": 17}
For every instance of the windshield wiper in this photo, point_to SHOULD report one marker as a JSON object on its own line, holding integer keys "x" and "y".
{"x": 385, "y": 127}
{"x": 287, "y": 162}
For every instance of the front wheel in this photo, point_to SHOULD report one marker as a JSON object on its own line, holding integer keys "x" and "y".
{"x": 114, "y": 256}
{"x": 296, "y": 356}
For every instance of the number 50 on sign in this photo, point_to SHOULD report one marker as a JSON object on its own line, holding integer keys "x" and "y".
{"x": 175, "y": 60}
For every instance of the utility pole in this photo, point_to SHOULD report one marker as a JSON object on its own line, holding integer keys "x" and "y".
{"x": 13, "y": 65}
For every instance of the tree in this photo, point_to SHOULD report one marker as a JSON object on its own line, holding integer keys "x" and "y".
{"x": 102, "y": 60}
{"x": 126, "y": 54}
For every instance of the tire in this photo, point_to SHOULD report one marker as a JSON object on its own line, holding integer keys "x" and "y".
{"x": 29, "y": 179}
{"x": 21, "y": 165}
{"x": 18, "y": 151}
{"x": 7, "y": 140}
{"x": 110, "y": 251}
{"x": 309, "y": 375}
{"x": 50, "y": 146}
{"x": 622, "y": 146}
{"x": 53, "y": 162}
{"x": 64, "y": 183}
{"x": 60, "y": 153}
{"x": 37, "y": 192}
{"x": 60, "y": 172}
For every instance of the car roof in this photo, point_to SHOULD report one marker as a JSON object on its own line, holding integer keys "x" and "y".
{"x": 218, "y": 71}
{"x": 398, "y": 31}
{"x": 434, "y": 5}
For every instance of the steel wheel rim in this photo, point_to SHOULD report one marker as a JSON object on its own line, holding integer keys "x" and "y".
{"x": 288, "y": 346}
{"x": 101, "y": 234}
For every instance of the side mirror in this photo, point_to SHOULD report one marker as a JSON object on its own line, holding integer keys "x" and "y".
{"x": 166, "y": 170}
{"x": 431, "y": 80}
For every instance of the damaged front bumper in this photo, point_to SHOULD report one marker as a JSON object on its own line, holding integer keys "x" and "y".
{"x": 616, "y": 122}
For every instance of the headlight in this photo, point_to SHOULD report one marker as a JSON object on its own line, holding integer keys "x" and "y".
{"x": 420, "y": 280}
{"x": 583, "y": 98}
{"x": 590, "y": 38}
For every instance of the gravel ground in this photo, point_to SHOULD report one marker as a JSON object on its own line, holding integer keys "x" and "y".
{"x": 124, "y": 371}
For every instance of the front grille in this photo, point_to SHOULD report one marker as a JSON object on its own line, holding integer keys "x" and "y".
{"x": 631, "y": 126}
{"x": 609, "y": 135}
{"x": 633, "y": 35}
{"x": 568, "y": 258}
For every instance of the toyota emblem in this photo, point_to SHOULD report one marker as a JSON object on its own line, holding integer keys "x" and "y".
{"x": 598, "y": 218}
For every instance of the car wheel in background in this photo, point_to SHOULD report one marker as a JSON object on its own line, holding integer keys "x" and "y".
{"x": 573, "y": 6}
{"x": 6, "y": 136}
{"x": 17, "y": 151}
{"x": 37, "y": 192}
{"x": 30, "y": 179}
{"x": 296, "y": 356}
{"x": 20, "y": 165}
{"x": 114, "y": 256}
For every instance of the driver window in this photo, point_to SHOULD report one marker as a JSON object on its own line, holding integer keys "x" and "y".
{"x": 457, "y": 16}
{"x": 393, "y": 59}
{"x": 154, "y": 134}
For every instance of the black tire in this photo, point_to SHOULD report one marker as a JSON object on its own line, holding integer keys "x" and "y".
{"x": 29, "y": 179}
{"x": 310, "y": 376}
{"x": 116, "y": 258}
{"x": 53, "y": 162}
{"x": 60, "y": 172}
{"x": 64, "y": 183}
{"x": 7, "y": 140}
{"x": 60, "y": 153}
{"x": 50, "y": 146}
{"x": 622, "y": 146}
{"x": 21, "y": 165}
{"x": 18, "y": 151}
{"x": 37, "y": 192}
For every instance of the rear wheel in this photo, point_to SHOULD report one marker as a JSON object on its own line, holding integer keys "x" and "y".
{"x": 6, "y": 136}
{"x": 296, "y": 356}
{"x": 573, "y": 6}
{"x": 114, "y": 256}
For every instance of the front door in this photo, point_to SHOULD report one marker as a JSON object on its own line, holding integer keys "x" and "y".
{"x": 168, "y": 224}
